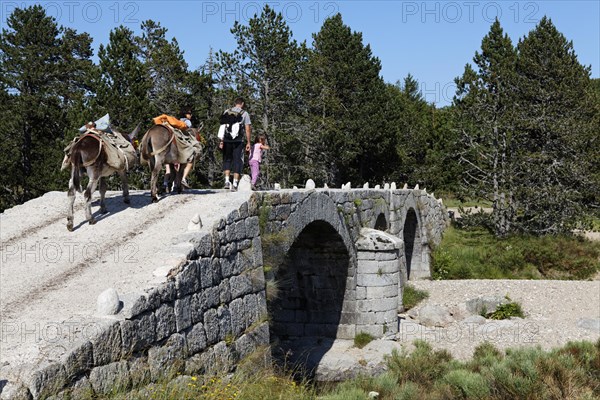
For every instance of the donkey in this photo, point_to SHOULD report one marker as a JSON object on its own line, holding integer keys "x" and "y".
{"x": 89, "y": 155}
{"x": 158, "y": 147}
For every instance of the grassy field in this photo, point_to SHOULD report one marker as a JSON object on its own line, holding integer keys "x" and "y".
{"x": 477, "y": 254}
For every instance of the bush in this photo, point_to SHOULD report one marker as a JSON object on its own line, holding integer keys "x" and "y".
{"x": 505, "y": 311}
{"x": 411, "y": 297}
{"x": 362, "y": 339}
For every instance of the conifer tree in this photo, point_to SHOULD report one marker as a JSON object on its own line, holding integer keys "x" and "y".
{"x": 350, "y": 102}
{"x": 264, "y": 69}
{"x": 44, "y": 84}
{"x": 123, "y": 83}
{"x": 485, "y": 104}
{"x": 554, "y": 117}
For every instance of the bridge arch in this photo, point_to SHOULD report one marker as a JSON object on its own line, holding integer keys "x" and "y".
{"x": 416, "y": 247}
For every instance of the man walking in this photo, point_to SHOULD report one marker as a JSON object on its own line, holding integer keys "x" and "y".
{"x": 235, "y": 122}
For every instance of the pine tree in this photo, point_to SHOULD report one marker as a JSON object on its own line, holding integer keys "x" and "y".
{"x": 167, "y": 70}
{"x": 44, "y": 85}
{"x": 264, "y": 69}
{"x": 123, "y": 83}
{"x": 350, "y": 103}
{"x": 554, "y": 117}
{"x": 485, "y": 104}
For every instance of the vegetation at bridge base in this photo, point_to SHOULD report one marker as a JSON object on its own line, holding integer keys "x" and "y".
{"x": 412, "y": 296}
{"x": 477, "y": 254}
{"x": 325, "y": 109}
{"x": 568, "y": 372}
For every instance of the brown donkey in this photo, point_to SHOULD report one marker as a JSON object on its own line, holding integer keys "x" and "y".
{"x": 159, "y": 147}
{"x": 91, "y": 154}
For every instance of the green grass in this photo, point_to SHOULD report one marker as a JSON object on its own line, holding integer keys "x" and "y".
{"x": 362, "y": 339}
{"x": 411, "y": 297}
{"x": 477, "y": 254}
{"x": 451, "y": 200}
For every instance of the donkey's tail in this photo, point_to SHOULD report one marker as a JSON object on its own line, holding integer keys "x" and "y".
{"x": 76, "y": 166}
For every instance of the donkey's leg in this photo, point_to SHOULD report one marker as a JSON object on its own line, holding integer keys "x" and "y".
{"x": 71, "y": 195}
{"x": 91, "y": 188}
{"x": 155, "y": 172}
{"x": 178, "y": 178}
{"x": 125, "y": 185}
{"x": 102, "y": 195}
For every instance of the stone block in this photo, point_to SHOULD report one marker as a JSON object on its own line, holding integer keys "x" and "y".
{"x": 377, "y": 267}
{"x": 240, "y": 285}
{"x": 107, "y": 346}
{"x": 139, "y": 371}
{"x": 205, "y": 272}
{"x": 187, "y": 281}
{"x": 137, "y": 334}
{"x": 183, "y": 313}
{"x": 377, "y": 279}
{"x": 166, "y": 324}
{"x": 46, "y": 381}
{"x": 377, "y": 305}
{"x": 239, "y": 318}
{"x": 224, "y": 292}
{"x": 78, "y": 360}
{"x": 224, "y": 320}
{"x": 111, "y": 378}
{"x": 167, "y": 360}
{"x": 167, "y": 292}
{"x": 346, "y": 331}
{"x": 252, "y": 309}
{"x": 211, "y": 326}
{"x": 14, "y": 391}
{"x": 361, "y": 293}
{"x": 374, "y": 330}
{"x": 252, "y": 227}
{"x": 196, "y": 339}
{"x": 380, "y": 292}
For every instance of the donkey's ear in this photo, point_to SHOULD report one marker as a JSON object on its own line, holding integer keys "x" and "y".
{"x": 133, "y": 134}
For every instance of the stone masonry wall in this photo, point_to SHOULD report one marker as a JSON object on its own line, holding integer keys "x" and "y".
{"x": 211, "y": 310}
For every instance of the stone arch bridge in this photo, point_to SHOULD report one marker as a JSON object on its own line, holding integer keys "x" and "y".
{"x": 314, "y": 262}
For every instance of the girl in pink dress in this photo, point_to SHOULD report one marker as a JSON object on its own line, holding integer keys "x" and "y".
{"x": 256, "y": 157}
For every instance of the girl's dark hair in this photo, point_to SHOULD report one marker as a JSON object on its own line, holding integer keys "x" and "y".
{"x": 258, "y": 137}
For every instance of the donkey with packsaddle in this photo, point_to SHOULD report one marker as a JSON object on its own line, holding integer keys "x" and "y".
{"x": 99, "y": 153}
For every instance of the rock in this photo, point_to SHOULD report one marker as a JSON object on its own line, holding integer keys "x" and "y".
{"x": 373, "y": 395}
{"x": 295, "y": 187}
{"x": 592, "y": 324}
{"x": 276, "y": 186}
{"x": 195, "y": 223}
{"x": 393, "y": 186}
{"x": 417, "y": 186}
{"x": 474, "y": 320}
{"x": 14, "y": 391}
{"x": 433, "y": 315}
{"x": 405, "y": 186}
{"x": 108, "y": 302}
{"x": 377, "y": 187}
{"x": 325, "y": 186}
{"x": 386, "y": 186}
{"x": 485, "y": 304}
{"x": 245, "y": 184}
{"x": 310, "y": 184}
{"x": 366, "y": 185}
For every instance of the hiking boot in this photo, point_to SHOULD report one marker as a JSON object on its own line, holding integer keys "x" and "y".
{"x": 185, "y": 184}
{"x": 227, "y": 185}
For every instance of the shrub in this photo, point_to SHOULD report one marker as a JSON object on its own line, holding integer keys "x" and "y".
{"x": 467, "y": 385}
{"x": 362, "y": 339}
{"x": 505, "y": 311}
{"x": 411, "y": 297}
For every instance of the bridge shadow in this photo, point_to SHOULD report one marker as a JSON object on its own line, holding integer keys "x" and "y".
{"x": 307, "y": 312}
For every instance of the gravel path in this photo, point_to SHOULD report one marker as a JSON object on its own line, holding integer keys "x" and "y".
{"x": 556, "y": 312}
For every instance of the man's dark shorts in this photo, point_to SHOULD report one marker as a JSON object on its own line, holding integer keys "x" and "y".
{"x": 233, "y": 156}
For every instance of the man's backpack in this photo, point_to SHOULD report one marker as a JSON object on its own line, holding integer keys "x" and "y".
{"x": 231, "y": 125}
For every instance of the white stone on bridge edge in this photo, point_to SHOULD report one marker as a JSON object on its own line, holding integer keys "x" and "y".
{"x": 310, "y": 184}
{"x": 195, "y": 223}
{"x": 366, "y": 185}
{"x": 393, "y": 186}
{"x": 108, "y": 302}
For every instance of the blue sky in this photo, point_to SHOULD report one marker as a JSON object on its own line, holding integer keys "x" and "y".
{"x": 432, "y": 40}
